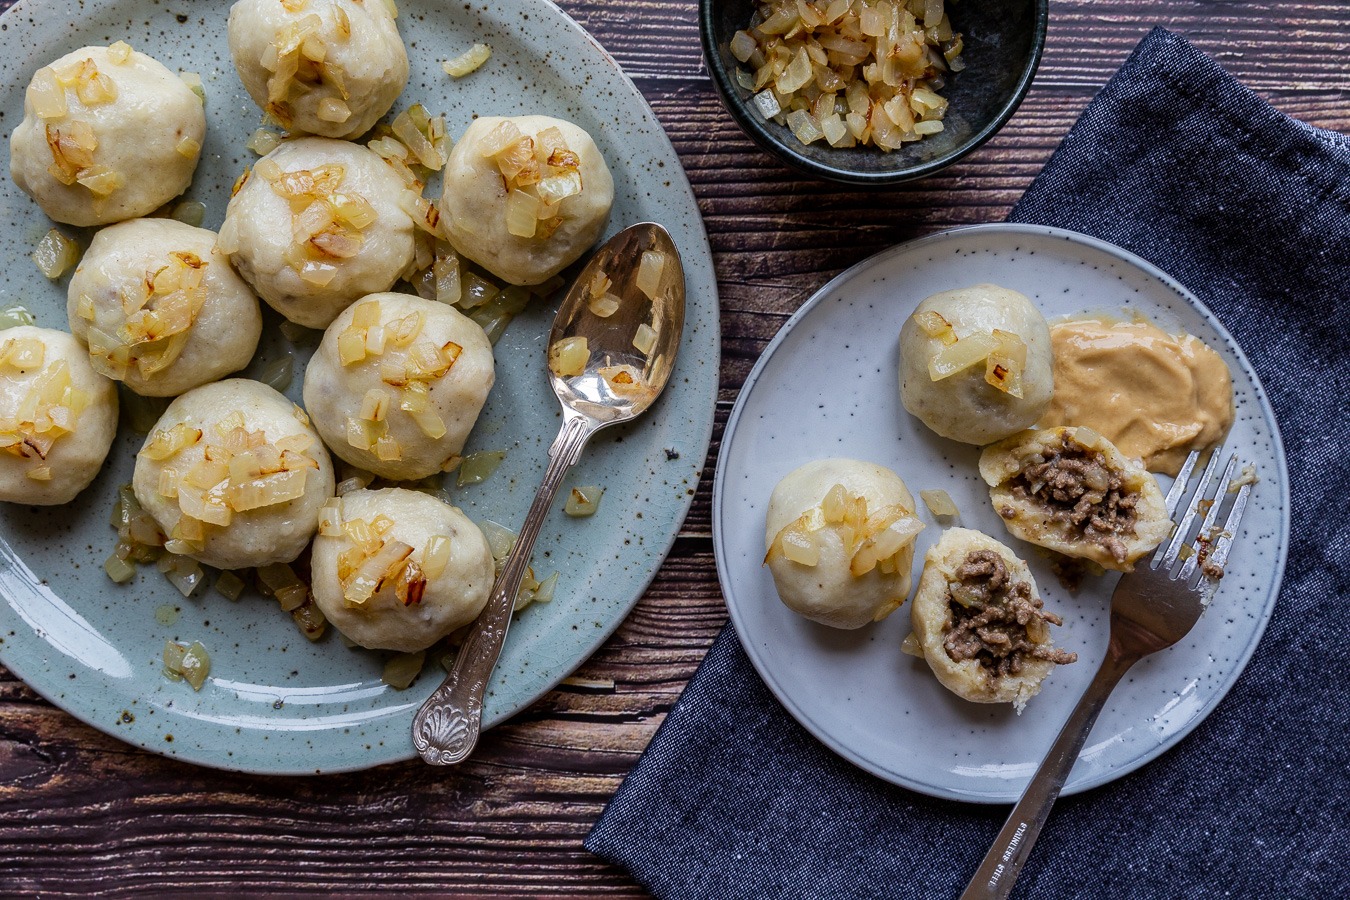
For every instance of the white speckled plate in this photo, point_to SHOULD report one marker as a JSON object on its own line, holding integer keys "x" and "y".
{"x": 827, "y": 386}
{"x": 274, "y": 702}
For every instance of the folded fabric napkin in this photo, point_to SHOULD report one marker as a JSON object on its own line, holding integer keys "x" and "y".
{"x": 1178, "y": 162}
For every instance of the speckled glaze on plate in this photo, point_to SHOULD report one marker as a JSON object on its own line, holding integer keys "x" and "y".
{"x": 827, "y": 386}
{"x": 274, "y": 703}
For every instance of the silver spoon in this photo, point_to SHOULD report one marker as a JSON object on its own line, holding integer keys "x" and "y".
{"x": 619, "y": 383}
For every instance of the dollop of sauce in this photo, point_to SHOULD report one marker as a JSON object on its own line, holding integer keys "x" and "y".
{"x": 1156, "y": 396}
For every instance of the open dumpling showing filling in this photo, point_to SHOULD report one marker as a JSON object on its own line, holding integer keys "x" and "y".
{"x": 1070, "y": 490}
{"x": 978, "y": 621}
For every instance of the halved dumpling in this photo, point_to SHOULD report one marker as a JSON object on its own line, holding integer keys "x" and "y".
{"x": 978, "y": 621}
{"x": 840, "y": 540}
{"x": 1070, "y": 490}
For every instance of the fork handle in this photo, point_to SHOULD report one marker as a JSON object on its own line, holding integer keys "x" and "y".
{"x": 1003, "y": 863}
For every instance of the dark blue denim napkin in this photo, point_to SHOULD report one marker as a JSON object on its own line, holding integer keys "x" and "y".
{"x": 1178, "y": 162}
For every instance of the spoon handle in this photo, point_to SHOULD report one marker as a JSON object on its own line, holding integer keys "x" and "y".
{"x": 445, "y": 730}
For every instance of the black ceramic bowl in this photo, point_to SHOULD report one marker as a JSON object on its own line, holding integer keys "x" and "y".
{"x": 1003, "y": 43}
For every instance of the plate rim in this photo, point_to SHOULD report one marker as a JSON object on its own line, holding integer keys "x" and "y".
{"x": 724, "y": 576}
{"x": 701, "y": 439}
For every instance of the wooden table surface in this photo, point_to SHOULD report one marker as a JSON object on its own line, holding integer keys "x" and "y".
{"x": 82, "y": 813}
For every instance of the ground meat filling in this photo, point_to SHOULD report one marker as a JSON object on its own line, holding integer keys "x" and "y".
{"x": 1080, "y": 491}
{"x": 990, "y": 618}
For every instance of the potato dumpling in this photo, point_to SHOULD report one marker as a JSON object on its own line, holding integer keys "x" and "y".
{"x": 840, "y": 540}
{"x": 316, "y": 225}
{"x": 1070, "y": 490}
{"x": 58, "y": 417}
{"x": 234, "y": 475}
{"x": 524, "y": 197}
{"x": 975, "y": 363}
{"x": 399, "y": 570}
{"x": 159, "y": 309}
{"x": 397, "y": 384}
{"x": 978, "y": 621}
{"x": 325, "y": 67}
{"x": 107, "y": 134}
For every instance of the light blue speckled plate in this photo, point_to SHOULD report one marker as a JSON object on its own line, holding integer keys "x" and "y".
{"x": 827, "y": 386}
{"x": 274, "y": 702}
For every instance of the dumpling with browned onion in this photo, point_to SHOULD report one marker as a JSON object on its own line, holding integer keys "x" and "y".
{"x": 159, "y": 309}
{"x": 234, "y": 475}
{"x": 396, "y": 569}
{"x": 975, "y": 363}
{"x": 979, "y": 621}
{"x": 107, "y": 134}
{"x": 58, "y": 417}
{"x": 524, "y": 197}
{"x": 397, "y": 384}
{"x": 325, "y": 67}
{"x": 840, "y": 540}
{"x": 1070, "y": 490}
{"x": 316, "y": 225}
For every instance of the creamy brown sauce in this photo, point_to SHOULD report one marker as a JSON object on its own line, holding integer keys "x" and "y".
{"x": 1154, "y": 395}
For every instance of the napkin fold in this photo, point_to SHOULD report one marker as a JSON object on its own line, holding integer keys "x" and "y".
{"x": 1178, "y": 162}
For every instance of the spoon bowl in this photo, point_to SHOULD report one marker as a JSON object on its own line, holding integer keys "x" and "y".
{"x": 628, "y": 307}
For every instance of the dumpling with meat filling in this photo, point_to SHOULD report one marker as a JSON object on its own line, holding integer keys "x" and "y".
{"x": 398, "y": 570}
{"x": 979, "y": 622}
{"x": 234, "y": 475}
{"x": 325, "y": 67}
{"x": 975, "y": 363}
{"x": 316, "y": 225}
{"x": 397, "y": 384}
{"x": 524, "y": 197}
{"x": 1070, "y": 490}
{"x": 107, "y": 134}
{"x": 58, "y": 417}
{"x": 840, "y": 540}
{"x": 159, "y": 309}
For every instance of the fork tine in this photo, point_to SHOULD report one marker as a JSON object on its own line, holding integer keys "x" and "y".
{"x": 1169, "y": 555}
{"x": 1218, "y": 554}
{"x": 1211, "y": 516}
{"x": 1179, "y": 483}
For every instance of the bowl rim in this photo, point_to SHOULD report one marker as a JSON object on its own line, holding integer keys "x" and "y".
{"x": 757, "y": 129}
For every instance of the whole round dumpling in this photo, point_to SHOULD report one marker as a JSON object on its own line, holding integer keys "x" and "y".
{"x": 397, "y": 383}
{"x": 395, "y": 569}
{"x": 107, "y": 134}
{"x": 316, "y": 225}
{"x": 840, "y": 540}
{"x": 979, "y": 622}
{"x": 524, "y": 197}
{"x": 234, "y": 475}
{"x": 159, "y": 309}
{"x": 1070, "y": 490}
{"x": 975, "y": 363}
{"x": 325, "y": 67}
{"x": 58, "y": 417}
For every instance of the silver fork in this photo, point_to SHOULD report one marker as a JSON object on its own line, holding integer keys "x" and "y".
{"x": 1152, "y": 608}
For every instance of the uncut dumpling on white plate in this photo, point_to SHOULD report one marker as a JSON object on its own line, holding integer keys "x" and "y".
{"x": 524, "y": 197}
{"x": 325, "y": 67}
{"x": 1070, "y": 490}
{"x": 975, "y": 363}
{"x": 840, "y": 540}
{"x": 979, "y": 622}
{"x": 108, "y": 134}
{"x": 396, "y": 569}
{"x": 234, "y": 475}
{"x": 159, "y": 309}
{"x": 316, "y": 225}
{"x": 397, "y": 384}
{"x": 58, "y": 417}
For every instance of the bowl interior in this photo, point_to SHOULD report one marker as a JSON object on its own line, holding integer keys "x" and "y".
{"x": 1003, "y": 44}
